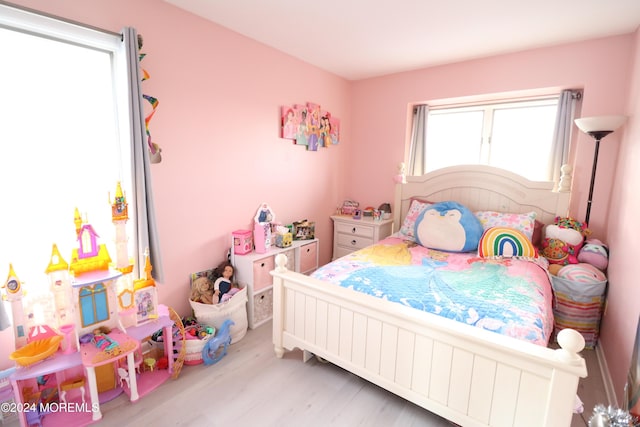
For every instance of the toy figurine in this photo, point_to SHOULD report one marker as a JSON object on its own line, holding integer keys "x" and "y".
{"x": 104, "y": 342}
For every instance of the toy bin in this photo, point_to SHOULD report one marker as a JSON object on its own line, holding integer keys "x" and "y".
{"x": 194, "y": 346}
{"x": 242, "y": 242}
{"x": 578, "y": 306}
{"x": 215, "y": 314}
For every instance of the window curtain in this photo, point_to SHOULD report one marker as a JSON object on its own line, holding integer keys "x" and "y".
{"x": 562, "y": 133}
{"x": 417, "y": 152}
{"x": 145, "y": 227}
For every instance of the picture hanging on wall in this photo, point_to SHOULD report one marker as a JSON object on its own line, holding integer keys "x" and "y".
{"x": 309, "y": 125}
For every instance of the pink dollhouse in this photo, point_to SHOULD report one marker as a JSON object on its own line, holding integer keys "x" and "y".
{"x": 90, "y": 351}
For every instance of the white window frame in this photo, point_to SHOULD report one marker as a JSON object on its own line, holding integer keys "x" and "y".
{"x": 487, "y": 108}
{"x": 40, "y": 25}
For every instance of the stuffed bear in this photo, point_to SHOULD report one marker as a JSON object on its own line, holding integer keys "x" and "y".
{"x": 563, "y": 240}
{"x": 202, "y": 291}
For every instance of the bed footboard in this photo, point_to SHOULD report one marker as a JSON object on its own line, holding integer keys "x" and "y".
{"x": 467, "y": 375}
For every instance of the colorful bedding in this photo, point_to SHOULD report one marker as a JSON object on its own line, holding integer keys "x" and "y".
{"x": 509, "y": 296}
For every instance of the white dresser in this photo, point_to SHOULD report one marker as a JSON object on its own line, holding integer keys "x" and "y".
{"x": 352, "y": 234}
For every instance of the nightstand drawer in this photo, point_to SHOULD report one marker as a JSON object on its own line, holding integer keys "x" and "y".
{"x": 261, "y": 276}
{"x": 355, "y": 230}
{"x": 354, "y": 242}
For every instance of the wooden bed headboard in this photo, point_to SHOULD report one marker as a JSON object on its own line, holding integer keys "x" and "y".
{"x": 483, "y": 188}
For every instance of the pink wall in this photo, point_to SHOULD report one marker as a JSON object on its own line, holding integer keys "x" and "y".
{"x": 217, "y": 123}
{"x": 620, "y": 321}
{"x": 604, "y": 69}
{"x": 601, "y": 67}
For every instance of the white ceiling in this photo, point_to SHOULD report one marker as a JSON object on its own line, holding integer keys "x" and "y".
{"x": 358, "y": 39}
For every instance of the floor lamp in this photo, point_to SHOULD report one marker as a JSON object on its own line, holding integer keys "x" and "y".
{"x": 597, "y": 127}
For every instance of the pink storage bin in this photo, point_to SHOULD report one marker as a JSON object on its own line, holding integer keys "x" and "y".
{"x": 242, "y": 242}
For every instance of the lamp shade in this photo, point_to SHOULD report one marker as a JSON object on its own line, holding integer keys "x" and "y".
{"x": 600, "y": 123}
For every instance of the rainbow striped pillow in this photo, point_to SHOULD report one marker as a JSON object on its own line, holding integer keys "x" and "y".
{"x": 505, "y": 242}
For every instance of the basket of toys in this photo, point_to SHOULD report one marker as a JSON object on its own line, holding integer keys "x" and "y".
{"x": 234, "y": 308}
{"x": 196, "y": 342}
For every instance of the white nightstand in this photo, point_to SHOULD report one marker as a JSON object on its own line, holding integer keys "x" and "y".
{"x": 352, "y": 234}
{"x": 253, "y": 269}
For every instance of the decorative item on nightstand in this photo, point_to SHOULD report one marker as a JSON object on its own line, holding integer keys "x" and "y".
{"x": 349, "y": 207}
{"x": 385, "y": 210}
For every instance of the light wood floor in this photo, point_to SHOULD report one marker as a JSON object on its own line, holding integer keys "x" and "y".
{"x": 251, "y": 387}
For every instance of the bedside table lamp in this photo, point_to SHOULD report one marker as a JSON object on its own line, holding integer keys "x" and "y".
{"x": 597, "y": 127}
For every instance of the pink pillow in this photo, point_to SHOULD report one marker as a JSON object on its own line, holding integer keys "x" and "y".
{"x": 415, "y": 209}
{"x": 522, "y": 222}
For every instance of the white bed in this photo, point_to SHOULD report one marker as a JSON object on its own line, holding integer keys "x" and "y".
{"x": 467, "y": 375}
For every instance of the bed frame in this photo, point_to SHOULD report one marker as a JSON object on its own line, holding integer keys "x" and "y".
{"x": 469, "y": 376}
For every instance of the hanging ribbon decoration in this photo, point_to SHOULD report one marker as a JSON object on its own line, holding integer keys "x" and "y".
{"x": 154, "y": 149}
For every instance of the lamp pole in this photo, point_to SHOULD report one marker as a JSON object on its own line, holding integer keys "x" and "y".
{"x": 597, "y": 135}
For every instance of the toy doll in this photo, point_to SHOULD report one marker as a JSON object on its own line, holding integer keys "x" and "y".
{"x": 103, "y": 341}
{"x": 223, "y": 283}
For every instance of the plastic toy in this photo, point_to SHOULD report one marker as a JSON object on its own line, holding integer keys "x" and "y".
{"x": 89, "y": 255}
{"x": 216, "y": 348}
{"x": 14, "y": 296}
{"x": 94, "y": 297}
{"x": 36, "y": 351}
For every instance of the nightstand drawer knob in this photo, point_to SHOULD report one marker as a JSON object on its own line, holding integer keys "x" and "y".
{"x": 353, "y": 242}
{"x": 353, "y": 230}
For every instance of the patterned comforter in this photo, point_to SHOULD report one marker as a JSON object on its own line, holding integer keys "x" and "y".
{"x": 508, "y": 296}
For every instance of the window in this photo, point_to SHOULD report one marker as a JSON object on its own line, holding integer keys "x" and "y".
{"x": 516, "y": 136}
{"x": 63, "y": 144}
{"x": 94, "y": 306}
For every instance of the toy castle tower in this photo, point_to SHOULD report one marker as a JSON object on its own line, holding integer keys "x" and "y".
{"x": 89, "y": 256}
{"x": 60, "y": 287}
{"x": 119, "y": 217}
{"x": 14, "y": 296}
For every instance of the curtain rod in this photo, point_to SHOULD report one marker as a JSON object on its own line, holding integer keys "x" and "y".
{"x": 576, "y": 93}
{"x": 68, "y": 21}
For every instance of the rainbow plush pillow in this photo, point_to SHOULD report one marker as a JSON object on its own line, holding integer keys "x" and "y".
{"x": 505, "y": 242}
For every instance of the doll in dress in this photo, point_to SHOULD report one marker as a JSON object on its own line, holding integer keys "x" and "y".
{"x": 222, "y": 287}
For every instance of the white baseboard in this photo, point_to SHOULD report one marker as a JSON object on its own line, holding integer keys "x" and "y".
{"x": 606, "y": 377}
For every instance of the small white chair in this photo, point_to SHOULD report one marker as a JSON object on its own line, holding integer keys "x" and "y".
{"x": 124, "y": 377}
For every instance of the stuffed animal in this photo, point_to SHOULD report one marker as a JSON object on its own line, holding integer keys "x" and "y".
{"x": 596, "y": 253}
{"x": 202, "y": 291}
{"x": 563, "y": 240}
